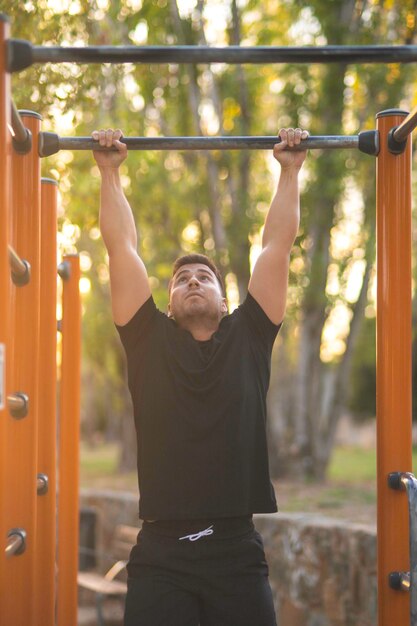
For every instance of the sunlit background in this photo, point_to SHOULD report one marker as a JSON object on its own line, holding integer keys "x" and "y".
{"x": 176, "y": 197}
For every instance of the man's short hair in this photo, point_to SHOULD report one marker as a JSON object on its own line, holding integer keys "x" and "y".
{"x": 188, "y": 259}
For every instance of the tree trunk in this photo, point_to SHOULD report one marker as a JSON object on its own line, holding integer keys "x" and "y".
{"x": 334, "y": 402}
{"x": 312, "y": 384}
{"x": 214, "y": 208}
{"x": 239, "y": 184}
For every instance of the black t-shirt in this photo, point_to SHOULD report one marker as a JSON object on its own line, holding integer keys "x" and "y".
{"x": 200, "y": 414}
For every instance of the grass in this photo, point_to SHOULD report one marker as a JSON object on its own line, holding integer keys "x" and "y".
{"x": 98, "y": 469}
{"x": 352, "y": 465}
{"x": 98, "y": 459}
{"x": 356, "y": 465}
{"x": 348, "y": 465}
{"x": 349, "y": 491}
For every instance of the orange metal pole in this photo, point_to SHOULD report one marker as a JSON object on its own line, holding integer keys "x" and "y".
{"x": 46, "y": 509}
{"x": 21, "y": 455}
{"x": 394, "y": 442}
{"x": 5, "y": 144}
{"x": 69, "y": 426}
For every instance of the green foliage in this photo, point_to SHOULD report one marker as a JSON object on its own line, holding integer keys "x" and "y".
{"x": 173, "y": 199}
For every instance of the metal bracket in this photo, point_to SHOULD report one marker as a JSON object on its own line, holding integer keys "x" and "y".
{"x": 405, "y": 481}
{"x": 64, "y": 270}
{"x": 394, "y": 146}
{"x": 369, "y": 142}
{"x": 399, "y": 581}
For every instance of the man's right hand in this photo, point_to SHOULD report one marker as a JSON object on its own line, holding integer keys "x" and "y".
{"x": 108, "y": 138}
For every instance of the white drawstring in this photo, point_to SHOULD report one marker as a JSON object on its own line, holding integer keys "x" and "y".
{"x": 202, "y": 533}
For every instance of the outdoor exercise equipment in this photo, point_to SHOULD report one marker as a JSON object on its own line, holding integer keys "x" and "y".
{"x": 28, "y": 325}
{"x": 22, "y": 54}
{"x": 367, "y": 141}
{"x": 30, "y": 586}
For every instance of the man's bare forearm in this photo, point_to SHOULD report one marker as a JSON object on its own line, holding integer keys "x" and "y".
{"x": 282, "y": 221}
{"x": 117, "y": 224}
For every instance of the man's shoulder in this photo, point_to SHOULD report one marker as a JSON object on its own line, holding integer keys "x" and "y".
{"x": 147, "y": 322}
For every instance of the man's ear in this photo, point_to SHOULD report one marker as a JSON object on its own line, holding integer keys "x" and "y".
{"x": 224, "y": 306}
{"x": 169, "y": 310}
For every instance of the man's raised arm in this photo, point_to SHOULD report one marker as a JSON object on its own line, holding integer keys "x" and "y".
{"x": 128, "y": 278}
{"x": 269, "y": 280}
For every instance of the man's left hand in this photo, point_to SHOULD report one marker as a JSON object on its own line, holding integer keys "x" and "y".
{"x": 290, "y": 137}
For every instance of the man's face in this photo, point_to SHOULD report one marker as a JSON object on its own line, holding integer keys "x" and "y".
{"x": 195, "y": 291}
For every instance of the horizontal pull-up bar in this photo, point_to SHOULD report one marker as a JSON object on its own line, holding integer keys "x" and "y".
{"x": 367, "y": 141}
{"x": 22, "y": 54}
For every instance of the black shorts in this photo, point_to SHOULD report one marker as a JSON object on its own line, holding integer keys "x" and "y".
{"x": 201, "y": 573}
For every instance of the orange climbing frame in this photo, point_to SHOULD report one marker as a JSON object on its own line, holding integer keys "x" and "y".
{"x": 69, "y": 426}
{"x": 5, "y": 141}
{"x": 394, "y": 442}
{"x": 28, "y": 577}
{"x": 46, "y": 509}
{"x": 21, "y": 454}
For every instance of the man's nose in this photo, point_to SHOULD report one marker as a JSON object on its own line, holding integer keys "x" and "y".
{"x": 193, "y": 280}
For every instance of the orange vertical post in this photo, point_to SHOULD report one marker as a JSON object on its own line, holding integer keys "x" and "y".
{"x": 69, "y": 426}
{"x": 394, "y": 442}
{"x": 21, "y": 455}
{"x": 4, "y": 294}
{"x": 46, "y": 506}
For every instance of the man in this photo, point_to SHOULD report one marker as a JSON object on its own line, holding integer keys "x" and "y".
{"x": 199, "y": 379}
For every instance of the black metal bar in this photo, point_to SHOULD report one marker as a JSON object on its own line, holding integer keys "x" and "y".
{"x": 22, "y": 54}
{"x": 19, "y": 129}
{"x": 17, "y": 265}
{"x": 18, "y": 404}
{"x": 22, "y": 138}
{"x": 20, "y": 268}
{"x": 16, "y": 542}
{"x": 406, "y": 127}
{"x": 50, "y": 143}
{"x": 210, "y": 143}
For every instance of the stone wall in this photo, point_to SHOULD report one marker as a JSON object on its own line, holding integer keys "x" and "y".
{"x": 111, "y": 508}
{"x": 322, "y": 570}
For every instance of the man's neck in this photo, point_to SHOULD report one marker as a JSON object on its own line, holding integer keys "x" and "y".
{"x": 200, "y": 330}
